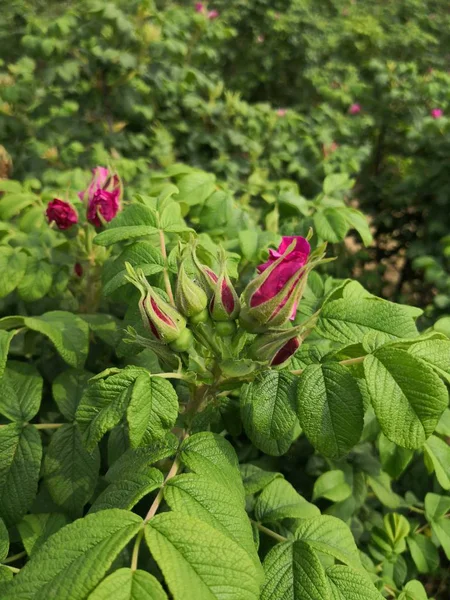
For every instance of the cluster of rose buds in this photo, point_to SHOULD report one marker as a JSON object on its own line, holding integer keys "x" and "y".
{"x": 207, "y": 305}
{"x": 102, "y": 199}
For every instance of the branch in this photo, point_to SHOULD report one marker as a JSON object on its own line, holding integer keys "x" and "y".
{"x": 269, "y": 532}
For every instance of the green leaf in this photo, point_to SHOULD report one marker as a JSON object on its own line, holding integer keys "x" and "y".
{"x": 294, "y": 572}
{"x": 248, "y": 241}
{"x": 330, "y": 225}
{"x": 125, "y": 492}
{"x": 73, "y": 561}
{"x": 424, "y": 553}
{"x": 394, "y": 459}
{"x": 200, "y": 562}
{"x": 347, "y": 321}
{"x": 68, "y": 389}
{"x": 103, "y": 405}
{"x": 21, "y": 392}
{"x": 279, "y": 500}
{"x": 37, "y": 528}
{"x": 413, "y": 590}
{"x": 435, "y": 353}
{"x": 70, "y": 471}
{"x": 152, "y": 409}
{"x": 20, "y": 462}
{"x": 126, "y": 584}
{"x": 5, "y": 341}
{"x": 105, "y": 327}
{"x": 13, "y": 203}
{"x": 330, "y": 536}
{"x": 332, "y": 486}
{"x": 330, "y": 408}
{"x": 437, "y": 452}
{"x": 195, "y": 188}
{"x": 381, "y": 486}
{"x": 37, "y": 280}
{"x": 4, "y": 541}
{"x": 337, "y": 182}
{"x": 68, "y": 332}
{"x": 268, "y": 411}
{"x": 13, "y": 264}
{"x": 436, "y": 509}
{"x": 443, "y": 427}
{"x": 348, "y": 584}
{"x": 205, "y": 499}
{"x": 357, "y": 220}
{"x": 141, "y": 255}
{"x": 137, "y": 220}
{"x": 214, "y": 457}
{"x": 407, "y": 396}
{"x": 256, "y": 479}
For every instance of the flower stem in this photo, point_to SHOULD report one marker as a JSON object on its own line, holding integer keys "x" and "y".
{"x": 13, "y": 569}
{"x": 14, "y": 557}
{"x": 269, "y": 532}
{"x": 48, "y": 425}
{"x": 162, "y": 243}
{"x": 135, "y": 555}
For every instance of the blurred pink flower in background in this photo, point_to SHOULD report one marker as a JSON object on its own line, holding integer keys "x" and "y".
{"x": 437, "y": 113}
{"x": 213, "y": 14}
{"x": 260, "y": 39}
{"x": 199, "y": 7}
{"x": 281, "y": 112}
{"x": 354, "y": 109}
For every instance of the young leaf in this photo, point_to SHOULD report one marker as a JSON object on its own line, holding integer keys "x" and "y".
{"x": 256, "y": 479}
{"x": 73, "y": 561}
{"x": 4, "y": 541}
{"x": 394, "y": 459}
{"x": 13, "y": 264}
{"x": 21, "y": 392}
{"x": 68, "y": 389}
{"x": 137, "y": 220}
{"x": 381, "y": 486}
{"x": 358, "y": 221}
{"x": 293, "y": 571}
{"x": 5, "y": 341}
{"x": 279, "y": 500}
{"x": 330, "y": 536}
{"x": 211, "y": 455}
{"x": 70, "y": 471}
{"x": 207, "y": 500}
{"x": 438, "y": 454}
{"x": 20, "y": 462}
{"x": 126, "y": 584}
{"x": 333, "y": 486}
{"x": 268, "y": 411}
{"x": 330, "y": 408}
{"x": 68, "y": 332}
{"x": 125, "y": 492}
{"x": 435, "y": 353}
{"x": 348, "y": 584}
{"x": 195, "y": 188}
{"x": 413, "y": 590}
{"x": 152, "y": 409}
{"x": 200, "y": 562}
{"x": 331, "y": 225}
{"x": 424, "y": 553}
{"x": 35, "y": 529}
{"x": 348, "y": 321}
{"x": 436, "y": 509}
{"x": 407, "y": 395}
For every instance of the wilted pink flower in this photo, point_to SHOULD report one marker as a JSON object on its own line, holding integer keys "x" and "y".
{"x": 102, "y": 196}
{"x": 62, "y": 213}
{"x": 199, "y": 7}
{"x": 354, "y": 109}
{"x": 437, "y": 113}
{"x": 281, "y": 112}
{"x": 213, "y": 14}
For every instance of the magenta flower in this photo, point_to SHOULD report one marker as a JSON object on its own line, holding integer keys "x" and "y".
{"x": 102, "y": 196}
{"x": 62, "y": 213}
{"x": 354, "y": 109}
{"x": 78, "y": 270}
{"x": 213, "y": 14}
{"x": 437, "y": 113}
{"x": 288, "y": 350}
{"x": 224, "y": 303}
{"x": 199, "y": 7}
{"x": 281, "y": 112}
{"x": 271, "y": 299}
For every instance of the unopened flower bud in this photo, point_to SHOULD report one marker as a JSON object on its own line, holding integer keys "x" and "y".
{"x": 224, "y": 305}
{"x": 276, "y": 347}
{"x": 190, "y": 298}
{"x": 159, "y": 317}
{"x": 62, "y": 213}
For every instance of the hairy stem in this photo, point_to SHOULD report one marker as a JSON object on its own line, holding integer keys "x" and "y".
{"x": 162, "y": 243}
{"x": 14, "y": 557}
{"x": 269, "y": 532}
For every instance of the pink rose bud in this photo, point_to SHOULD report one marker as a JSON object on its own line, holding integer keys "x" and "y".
{"x": 62, "y": 213}
{"x": 199, "y": 7}
{"x": 281, "y": 112}
{"x": 276, "y": 347}
{"x": 78, "y": 270}
{"x": 102, "y": 196}
{"x": 213, "y": 14}
{"x": 224, "y": 305}
{"x": 437, "y": 113}
{"x": 271, "y": 299}
{"x": 354, "y": 109}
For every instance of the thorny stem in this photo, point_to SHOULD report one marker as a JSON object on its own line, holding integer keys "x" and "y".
{"x": 15, "y": 557}
{"x": 346, "y": 362}
{"x": 272, "y": 534}
{"x": 166, "y": 271}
